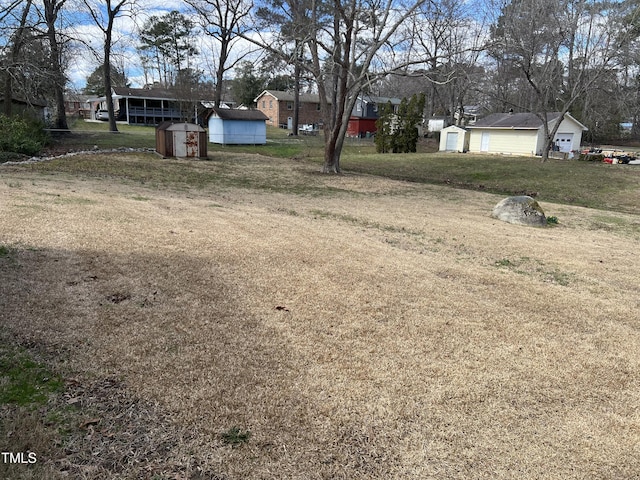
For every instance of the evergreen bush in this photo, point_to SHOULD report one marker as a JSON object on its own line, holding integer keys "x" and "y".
{"x": 21, "y": 135}
{"x": 398, "y": 133}
{"x": 384, "y": 127}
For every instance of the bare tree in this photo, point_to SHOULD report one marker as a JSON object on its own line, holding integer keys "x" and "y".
{"x": 17, "y": 42}
{"x": 347, "y": 41}
{"x": 449, "y": 34}
{"x": 560, "y": 50}
{"x": 224, "y": 21}
{"x": 104, "y": 14}
{"x": 52, "y": 10}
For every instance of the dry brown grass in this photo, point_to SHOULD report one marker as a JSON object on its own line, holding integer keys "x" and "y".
{"x": 390, "y": 331}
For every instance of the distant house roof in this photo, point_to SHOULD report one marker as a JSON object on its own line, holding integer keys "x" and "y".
{"x": 155, "y": 93}
{"x": 380, "y": 100}
{"x": 521, "y": 121}
{"x": 235, "y": 114}
{"x": 288, "y": 96}
{"x": 148, "y": 93}
{"x": 33, "y": 102}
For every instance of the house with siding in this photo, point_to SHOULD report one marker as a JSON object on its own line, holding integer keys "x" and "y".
{"x": 523, "y": 133}
{"x": 278, "y": 107}
{"x": 365, "y": 113}
{"x": 151, "y": 106}
{"x": 77, "y": 105}
{"x": 35, "y": 108}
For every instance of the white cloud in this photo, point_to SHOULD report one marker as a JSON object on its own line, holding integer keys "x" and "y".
{"x": 89, "y": 39}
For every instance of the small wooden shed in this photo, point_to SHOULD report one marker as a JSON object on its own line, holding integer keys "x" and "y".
{"x": 454, "y": 139}
{"x": 237, "y": 127}
{"x": 181, "y": 140}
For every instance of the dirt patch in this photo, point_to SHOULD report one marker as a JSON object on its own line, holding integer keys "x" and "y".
{"x": 373, "y": 329}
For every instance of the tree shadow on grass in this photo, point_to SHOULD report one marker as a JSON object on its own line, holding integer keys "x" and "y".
{"x": 161, "y": 358}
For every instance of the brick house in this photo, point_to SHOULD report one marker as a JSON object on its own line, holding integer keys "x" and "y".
{"x": 278, "y": 107}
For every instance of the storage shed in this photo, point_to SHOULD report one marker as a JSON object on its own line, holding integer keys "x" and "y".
{"x": 237, "y": 127}
{"x": 181, "y": 140}
{"x": 454, "y": 139}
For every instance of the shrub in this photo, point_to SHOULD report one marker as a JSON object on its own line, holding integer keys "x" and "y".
{"x": 384, "y": 127}
{"x": 399, "y": 133}
{"x": 12, "y": 157}
{"x": 21, "y": 135}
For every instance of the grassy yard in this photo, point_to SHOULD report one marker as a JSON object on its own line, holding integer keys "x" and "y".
{"x": 594, "y": 185}
{"x": 247, "y": 317}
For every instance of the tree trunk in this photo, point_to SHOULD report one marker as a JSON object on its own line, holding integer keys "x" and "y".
{"x": 224, "y": 56}
{"x": 296, "y": 96}
{"x": 107, "y": 80}
{"x": 15, "y": 51}
{"x": 51, "y": 15}
{"x": 335, "y": 136}
{"x": 331, "y": 156}
{"x": 8, "y": 95}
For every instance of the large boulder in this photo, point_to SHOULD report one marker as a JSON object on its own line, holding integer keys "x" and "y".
{"x": 521, "y": 210}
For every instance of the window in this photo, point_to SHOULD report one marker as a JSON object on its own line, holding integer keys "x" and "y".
{"x": 289, "y": 105}
{"x": 264, "y": 104}
{"x": 270, "y": 104}
{"x": 317, "y": 107}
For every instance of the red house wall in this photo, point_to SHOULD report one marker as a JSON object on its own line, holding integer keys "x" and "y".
{"x": 360, "y": 126}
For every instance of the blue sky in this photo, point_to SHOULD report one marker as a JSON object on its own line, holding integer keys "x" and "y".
{"x": 90, "y": 39}
{"x": 84, "y": 62}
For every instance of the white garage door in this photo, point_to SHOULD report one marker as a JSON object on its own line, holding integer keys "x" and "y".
{"x": 452, "y": 141}
{"x": 565, "y": 142}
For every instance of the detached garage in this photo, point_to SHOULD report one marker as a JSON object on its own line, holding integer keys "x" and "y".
{"x": 237, "y": 127}
{"x": 523, "y": 133}
{"x": 454, "y": 139}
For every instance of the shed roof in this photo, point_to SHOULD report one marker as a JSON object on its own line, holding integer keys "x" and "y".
{"x": 456, "y": 127}
{"x": 173, "y": 126}
{"x": 236, "y": 114}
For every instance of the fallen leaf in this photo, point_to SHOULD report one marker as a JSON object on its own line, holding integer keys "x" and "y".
{"x": 88, "y": 423}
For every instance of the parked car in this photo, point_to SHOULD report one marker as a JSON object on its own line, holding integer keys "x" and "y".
{"x": 102, "y": 115}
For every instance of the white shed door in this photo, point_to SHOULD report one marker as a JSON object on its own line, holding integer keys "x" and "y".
{"x": 180, "y": 143}
{"x": 484, "y": 142}
{"x": 565, "y": 142}
{"x": 452, "y": 141}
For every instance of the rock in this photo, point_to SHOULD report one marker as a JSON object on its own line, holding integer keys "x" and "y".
{"x": 521, "y": 210}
